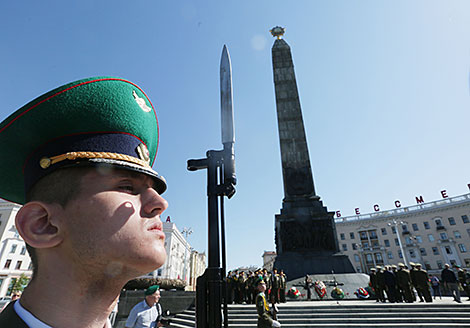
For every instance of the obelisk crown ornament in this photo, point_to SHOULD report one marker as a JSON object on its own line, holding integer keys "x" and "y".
{"x": 305, "y": 231}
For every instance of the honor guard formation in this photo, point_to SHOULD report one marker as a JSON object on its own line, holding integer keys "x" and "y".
{"x": 242, "y": 287}
{"x": 403, "y": 284}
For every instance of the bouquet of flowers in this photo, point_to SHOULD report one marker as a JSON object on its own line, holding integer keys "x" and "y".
{"x": 294, "y": 293}
{"x": 320, "y": 288}
{"x": 362, "y": 293}
{"x": 337, "y": 293}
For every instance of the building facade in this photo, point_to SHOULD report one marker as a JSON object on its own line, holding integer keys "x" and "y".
{"x": 432, "y": 234}
{"x": 268, "y": 260}
{"x": 178, "y": 250}
{"x": 14, "y": 259}
{"x": 197, "y": 267}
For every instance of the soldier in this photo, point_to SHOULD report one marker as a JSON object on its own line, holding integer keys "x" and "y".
{"x": 380, "y": 284}
{"x": 79, "y": 159}
{"x": 373, "y": 282}
{"x": 242, "y": 287}
{"x": 462, "y": 277}
{"x": 404, "y": 282}
{"x": 265, "y": 318}
{"x": 229, "y": 281}
{"x": 283, "y": 278}
{"x": 308, "y": 287}
{"x": 276, "y": 286}
{"x": 422, "y": 282}
{"x": 414, "y": 283}
{"x": 267, "y": 280}
{"x": 390, "y": 284}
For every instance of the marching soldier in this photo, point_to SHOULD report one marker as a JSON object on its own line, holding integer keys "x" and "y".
{"x": 242, "y": 287}
{"x": 283, "y": 278}
{"x": 265, "y": 318}
{"x": 404, "y": 282}
{"x": 422, "y": 282}
{"x": 414, "y": 283}
{"x": 390, "y": 284}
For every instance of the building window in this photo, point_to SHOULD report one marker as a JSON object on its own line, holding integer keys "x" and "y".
{"x": 453, "y": 263}
{"x": 467, "y": 264}
{"x": 18, "y": 265}
{"x": 13, "y": 248}
{"x": 400, "y": 255}
{"x": 341, "y": 235}
{"x": 462, "y": 248}
{"x": 468, "y": 232}
{"x": 439, "y": 264}
{"x": 457, "y": 235}
{"x": 390, "y": 255}
{"x": 408, "y": 240}
{"x": 365, "y": 244}
{"x": 384, "y": 231}
{"x": 448, "y": 250}
{"x": 465, "y": 219}
{"x": 415, "y": 226}
{"x": 423, "y": 251}
{"x": 378, "y": 257}
{"x": 394, "y": 229}
{"x": 426, "y": 225}
{"x": 354, "y": 246}
{"x": 30, "y": 266}
{"x": 23, "y": 250}
{"x": 427, "y": 265}
{"x": 404, "y": 228}
{"x": 358, "y": 269}
{"x": 356, "y": 258}
{"x": 397, "y": 243}
{"x": 373, "y": 234}
{"x": 387, "y": 243}
{"x": 419, "y": 240}
{"x": 451, "y": 221}
{"x": 444, "y": 236}
{"x": 369, "y": 258}
{"x": 345, "y": 247}
{"x": 7, "y": 264}
{"x": 159, "y": 272}
{"x": 431, "y": 238}
{"x": 435, "y": 251}
{"x": 351, "y": 235}
{"x": 412, "y": 253}
{"x": 363, "y": 235}
{"x": 438, "y": 223}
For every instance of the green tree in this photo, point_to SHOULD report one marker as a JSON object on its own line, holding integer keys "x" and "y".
{"x": 18, "y": 284}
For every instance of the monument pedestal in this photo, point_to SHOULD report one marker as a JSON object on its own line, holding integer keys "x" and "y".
{"x": 297, "y": 265}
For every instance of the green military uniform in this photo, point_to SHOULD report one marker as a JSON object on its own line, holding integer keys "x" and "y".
{"x": 262, "y": 308}
{"x": 462, "y": 277}
{"x": 275, "y": 286}
{"x": 404, "y": 283}
{"x": 282, "y": 292}
{"x": 422, "y": 283}
{"x": 380, "y": 285}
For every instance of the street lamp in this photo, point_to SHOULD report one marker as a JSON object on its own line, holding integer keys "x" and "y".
{"x": 395, "y": 223}
{"x": 186, "y": 232}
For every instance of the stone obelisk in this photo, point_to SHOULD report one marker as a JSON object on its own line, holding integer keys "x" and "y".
{"x": 305, "y": 232}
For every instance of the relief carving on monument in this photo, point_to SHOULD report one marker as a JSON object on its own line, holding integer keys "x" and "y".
{"x": 311, "y": 235}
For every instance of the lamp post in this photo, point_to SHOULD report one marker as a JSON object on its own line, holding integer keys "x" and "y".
{"x": 186, "y": 232}
{"x": 395, "y": 223}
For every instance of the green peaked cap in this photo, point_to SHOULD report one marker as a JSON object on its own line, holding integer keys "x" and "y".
{"x": 90, "y": 122}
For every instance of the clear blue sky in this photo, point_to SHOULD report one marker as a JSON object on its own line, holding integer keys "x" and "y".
{"x": 384, "y": 88}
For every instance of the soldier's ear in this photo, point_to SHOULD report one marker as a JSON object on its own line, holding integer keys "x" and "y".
{"x": 36, "y": 225}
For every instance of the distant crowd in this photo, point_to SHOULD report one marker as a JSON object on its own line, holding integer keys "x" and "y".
{"x": 241, "y": 286}
{"x": 403, "y": 284}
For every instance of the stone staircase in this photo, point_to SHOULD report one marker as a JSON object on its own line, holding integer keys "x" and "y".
{"x": 348, "y": 314}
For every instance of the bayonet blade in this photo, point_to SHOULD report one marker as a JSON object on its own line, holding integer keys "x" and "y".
{"x": 228, "y": 134}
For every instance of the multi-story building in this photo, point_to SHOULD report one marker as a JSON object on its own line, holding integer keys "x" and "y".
{"x": 268, "y": 260}
{"x": 432, "y": 234}
{"x": 178, "y": 250}
{"x": 197, "y": 267}
{"x": 14, "y": 259}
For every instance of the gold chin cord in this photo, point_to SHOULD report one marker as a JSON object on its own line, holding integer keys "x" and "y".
{"x": 46, "y": 162}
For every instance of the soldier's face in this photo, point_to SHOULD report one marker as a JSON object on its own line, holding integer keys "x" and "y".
{"x": 114, "y": 223}
{"x": 262, "y": 287}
